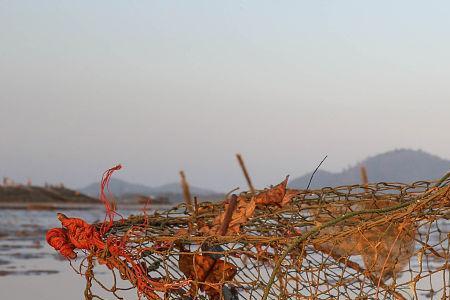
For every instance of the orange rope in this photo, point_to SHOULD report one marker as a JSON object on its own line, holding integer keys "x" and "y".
{"x": 58, "y": 239}
{"x": 110, "y": 211}
{"x": 78, "y": 234}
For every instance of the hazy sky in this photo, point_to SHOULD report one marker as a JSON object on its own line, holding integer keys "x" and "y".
{"x": 161, "y": 86}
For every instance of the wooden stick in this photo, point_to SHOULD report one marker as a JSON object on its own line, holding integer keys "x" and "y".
{"x": 195, "y": 213}
{"x": 228, "y": 215}
{"x": 244, "y": 170}
{"x": 364, "y": 178}
{"x": 195, "y": 206}
{"x": 186, "y": 192}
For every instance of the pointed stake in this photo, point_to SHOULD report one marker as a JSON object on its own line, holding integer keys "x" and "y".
{"x": 228, "y": 215}
{"x": 364, "y": 178}
{"x": 186, "y": 192}
{"x": 244, "y": 170}
{"x": 195, "y": 206}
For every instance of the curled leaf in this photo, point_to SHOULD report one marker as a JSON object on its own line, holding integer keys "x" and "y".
{"x": 273, "y": 195}
{"x": 208, "y": 273}
{"x": 195, "y": 266}
{"x": 221, "y": 272}
{"x": 244, "y": 211}
{"x": 288, "y": 196}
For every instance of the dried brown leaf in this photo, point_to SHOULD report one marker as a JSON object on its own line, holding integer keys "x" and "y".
{"x": 288, "y": 196}
{"x": 244, "y": 211}
{"x": 195, "y": 266}
{"x": 273, "y": 195}
{"x": 221, "y": 272}
{"x": 206, "y": 271}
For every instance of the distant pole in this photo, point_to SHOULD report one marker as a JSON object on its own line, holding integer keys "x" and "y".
{"x": 364, "y": 178}
{"x": 186, "y": 192}
{"x": 244, "y": 170}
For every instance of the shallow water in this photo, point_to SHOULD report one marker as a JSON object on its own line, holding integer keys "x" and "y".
{"x": 31, "y": 269}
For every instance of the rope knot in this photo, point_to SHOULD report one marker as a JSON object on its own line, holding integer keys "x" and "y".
{"x": 81, "y": 234}
{"x": 75, "y": 234}
{"x": 58, "y": 239}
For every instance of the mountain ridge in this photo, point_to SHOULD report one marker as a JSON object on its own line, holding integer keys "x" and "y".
{"x": 120, "y": 187}
{"x": 399, "y": 165}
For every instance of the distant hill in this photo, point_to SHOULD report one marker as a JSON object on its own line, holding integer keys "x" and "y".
{"x": 47, "y": 194}
{"x": 401, "y": 165}
{"x": 121, "y": 188}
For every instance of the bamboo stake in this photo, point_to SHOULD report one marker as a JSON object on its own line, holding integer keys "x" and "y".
{"x": 195, "y": 207}
{"x": 228, "y": 215}
{"x": 186, "y": 192}
{"x": 364, "y": 178}
{"x": 246, "y": 175}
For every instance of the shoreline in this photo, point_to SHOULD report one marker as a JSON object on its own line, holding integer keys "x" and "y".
{"x": 71, "y": 206}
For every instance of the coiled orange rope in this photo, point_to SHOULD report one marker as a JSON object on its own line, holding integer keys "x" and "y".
{"x": 111, "y": 251}
{"x": 58, "y": 239}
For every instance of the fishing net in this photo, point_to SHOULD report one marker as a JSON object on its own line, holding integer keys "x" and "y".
{"x": 371, "y": 241}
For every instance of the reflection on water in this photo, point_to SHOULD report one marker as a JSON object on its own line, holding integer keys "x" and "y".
{"x": 29, "y": 268}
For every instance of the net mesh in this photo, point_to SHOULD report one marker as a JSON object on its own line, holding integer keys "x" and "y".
{"x": 371, "y": 241}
